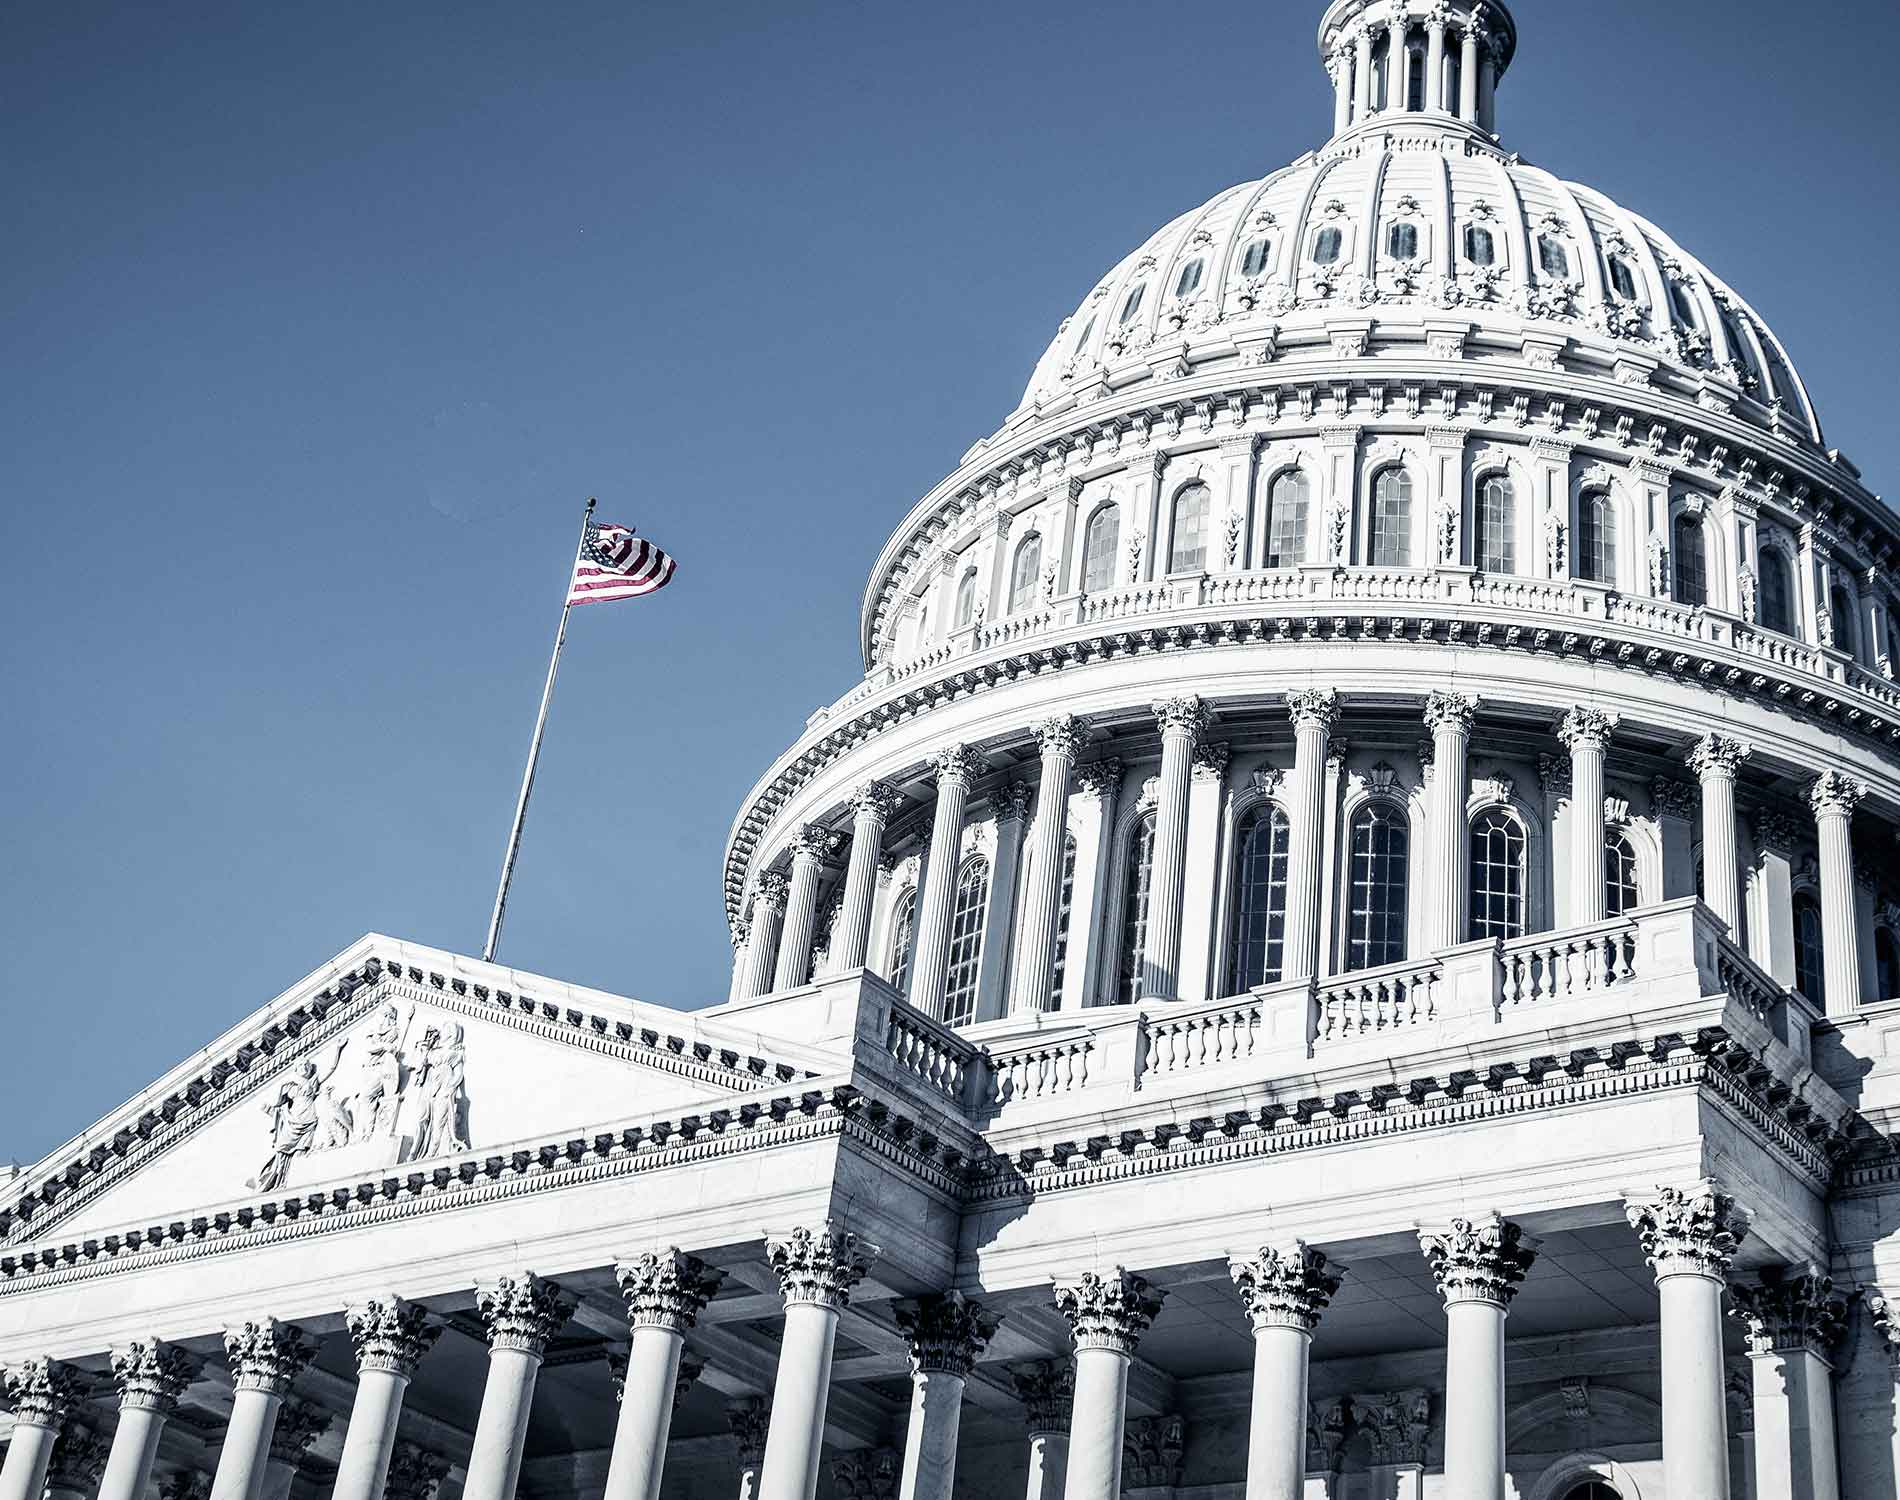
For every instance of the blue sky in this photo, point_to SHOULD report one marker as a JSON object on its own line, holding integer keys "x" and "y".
{"x": 321, "y": 322}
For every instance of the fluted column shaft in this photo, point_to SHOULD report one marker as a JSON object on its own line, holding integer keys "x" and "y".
{"x": 151, "y": 1377}
{"x": 665, "y": 1294}
{"x": 1397, "y": 65}
{"x": 265, "y": 1357}
{"x": 930, "y": 963}
{"x": 1108, "y": 1314}
{"x": 1314, "y": 713}
{"x": 1042, "y": 897}
{"x": 870, "y": 810}
{"x": 1447, "y": 901}
{"x": 1585, "y": 733}
{"x": 768, "y": 917}
{"x": 1715, "y": 761}
{"x": 1477, "y": 1265}
{"x": 390, "y": 1337}
{"x": 1468, "y": 77}
{"x": 42, "y": 1393}
{"x": 816, "y": 1270}
{"x": 1285, "y": 1290}
{"x": 1362, "y": 73}
{"x": 1435, "y": 65}
{"x": 1342, "y": 104}
{"x": 522, "y": 1312}
{"x": 1834, "y": 798}
{"x": 801, "y": 909}
{"x": 1487, "y": 88}
{"x": 1182, "y": 720}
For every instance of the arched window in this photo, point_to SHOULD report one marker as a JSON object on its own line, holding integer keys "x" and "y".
{"x": 966, "y": 599}
{"x": 1687, "y": 312}
{"x": 1497, "y": 875}
{"x": 1886, "y": 964}
{"x": 1596, "y": 537}
{"x": 903, "y": 937}
{"x": 1260, "y": 898}
{"x": 1065, "y": 907}
{"x": 1810, "y": 962}
{"x": 1401, "y": 242}
{"x": 1326, "y": 246}
{"x": 1620, "y": 893}
{"x": 1777, "y": 590}
{"x": 1552, "y": 258}
{"x": 1414, "y": 79}
{"x": 1286, "y": 520}
{"x": 1592, "y": 1489}
{"x": 1494, "y": 542}
{"x": 1622, "y": 279}
{"x": 966, "y": 942}
{"x": 1841, "y": 609}
{"x": 1392, "y": 518}
{"x": 1099, "y": 548}
{"x": 1254, "y": 262}
{"x": 1137, "y": 867}
{"x": 1025, "y": 573}
{"x": 1189, "y": 551}
{"x": 1692, "y": 562}
{"x": 1480, "y": 248}
{"x": 1189, "y": 281}
{"x": 1378, "y": 876}
{"x": 1131, "y": 304}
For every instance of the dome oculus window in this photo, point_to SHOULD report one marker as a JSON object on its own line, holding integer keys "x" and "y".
{"x": 1326, "y": 246}
{"x": 1552, "y": 258}
{"x": 1087, "y": 329}
{"x": 1401, "y": 242}
{"x": 1254, "y": 262}
{"x": 1480, "y": 248}
{"x": 1189, "y": 281}
{"x": 1687, "y": 312}
{"x": 1131, "y": 304}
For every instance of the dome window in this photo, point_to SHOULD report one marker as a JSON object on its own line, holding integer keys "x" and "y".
{"x": 1810, "y": 958}
{"x": 1327, "y": 246}
{"x": 1497, "y": 876}
{"x": 1480, "y": 248}
{"x": 1254, "y": 262}
{"x": 1260, "y": 891}
{"x": 1621, "y": 892}
{"x": 1596, "y": 538}
{"x": 966, "y": 600}
{"x": 1686, "y": 312}
{"x": 1189, "y": 281}
{"x": 1098, "y": 554}
{"x": 1777, "y": 590}
{"x": 1026, "y": 574}
{"x": 1286, "y": 520}
{"x": 1188, "y": 553}
{"x": 1552, "y": 258}
{"x": 1375, "y": 922}
{"x": 1692, "y": 562}
{"x": 1841, "y": 614}
{"x": 1138, "y": 860}
{"x": 1083, "y": 342}
{"x": 1622, "y": 279}
{"x": 1401, "y": 242}
{"x": 1495, "y": 544}
{"x": 1392, "y": 519}
{"x": 1131, "y": 304}
{"x": 967, "y": 922}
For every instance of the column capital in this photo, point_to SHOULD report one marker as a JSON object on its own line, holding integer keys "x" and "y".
{"x": 749, "y": 1420}
{"x": 958, "y": 764}
{"x": 1046, "y": 1388}
{"x": 1586, "y": 728}
{"x": 1285, "y": 1286}
{"x": 1061, "y": 734}
{"x": 811, "y": 842}
{"x": 1672, "y": 799}
{"x": 265, "y": 1355}
{"x": 689, "y": 1372}
{"x": 390, "y": 1334}
{"x": 522, "y": 1311}
{"x": 42, "y": 1392}
{"x": 1835, "y": 794}
{"x": 740, "y": 930}
{"x": 1886, "y": 1317}
{"x": 299, "y": 1424}
{"x": 1314, "y": 708}
{"x": 875, "y": 801}
{"x": 1109, "y": 1311}
{"x": 414, "y": 1472}
{"x": 151, "y": 1376}
{"x": 1399, "y": 1423}
{"x": 867, "y": 1474}
{"x": 1099, "y": 778}
{"x": 945, "y": 1332}
{"x": 185, "y": 1484}
{"x": 820, "y": 1265}
{"x": 1012, "y": 801}
{"x": 666, "y": 1289}
{"x": 1211, "y": 758}
{"x": 1450, "y": 711}
{"x": 1718, "y": 755}
{"x": 1691, "y": 1231}
{"x": 771, "y": 892}
{"x": 78, "y": 1460}
{"x": 1183, "y": 715}
{"x": 1784, "y": 1314}
{"x": 1479, "y": 1260}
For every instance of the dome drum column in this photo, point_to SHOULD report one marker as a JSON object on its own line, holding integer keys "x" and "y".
{"x": 871, "y": 808}
{"x": 1435, "y": 63}
{"x": 1715, "y": 760}
{"x": 1585, "y": 733}
{"x": 956, "y": 768}
{"x": 1042, "y": 899}
{"x": 809, "y": 845}
{"x": 1468, "y": 76}
{"x": 1834, "y": 797}
{"x": 1182, "y": 722}
{"x": 1449, "y": 716}
{"x": 768, "y": 916}
{"x": 1314, "y": 714}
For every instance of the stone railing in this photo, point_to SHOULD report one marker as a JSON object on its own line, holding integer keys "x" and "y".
{"x": 1181, "y": 1039}
{"x": 930, "y": 1051}
{"x": 1038, "y": 1070}
{"x": 1570, "y": 965}
{"x": 1352, "y": 1007}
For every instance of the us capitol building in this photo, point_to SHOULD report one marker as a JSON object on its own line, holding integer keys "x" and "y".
{"x": 1347, "y": 944}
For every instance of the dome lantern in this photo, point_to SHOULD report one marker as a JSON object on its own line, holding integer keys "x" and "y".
{"x": 1454, "y": 52}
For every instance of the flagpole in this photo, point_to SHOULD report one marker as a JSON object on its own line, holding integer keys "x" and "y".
{"x": 534, "y": 751}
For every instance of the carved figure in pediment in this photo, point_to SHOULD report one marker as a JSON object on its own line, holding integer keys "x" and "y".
{"x": 379, "y": 1079}
{"x": 296, "y": 1121}
{"x": 437, "y": 1082}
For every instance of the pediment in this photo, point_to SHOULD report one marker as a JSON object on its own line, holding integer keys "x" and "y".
{"x": 389, "y": 1059}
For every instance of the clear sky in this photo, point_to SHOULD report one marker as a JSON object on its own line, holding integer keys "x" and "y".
{"x": 320, "y": 322}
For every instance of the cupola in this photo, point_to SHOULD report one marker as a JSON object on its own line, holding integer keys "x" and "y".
{"x": 1435, "y": 62}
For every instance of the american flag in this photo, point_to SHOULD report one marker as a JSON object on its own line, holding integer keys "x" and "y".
{"x": 613, "y": 563}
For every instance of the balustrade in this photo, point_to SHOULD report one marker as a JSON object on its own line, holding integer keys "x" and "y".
{"x": 928, "y": 1051}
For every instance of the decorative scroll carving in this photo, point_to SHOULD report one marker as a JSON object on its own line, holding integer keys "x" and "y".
{"x": 151, "y": 1376}
{"x": 666, "y": 1289}
{"x": 1285, "y": 1286}
{"x": 185, "y": 1484}
{"x": 1553, "y": 771}
{"x": 689, "y": 1372}
{"x": 1325, "y": 1435}
{"x": 1210, "y": 760}
{"x": 299, "y": 1424}
{"x": 819, "y": 1265}
{"x": 1099, "y": 778}
{"x": 749, "y": 1420}
{"x": 265, "y": 1355}
{"x": 1109, "y": 1311}
{"x": 1478, "y": 1260}
{"x": 390, "y": 1334}
{"x": 1789, "y": 1314}
{"x": 1046, "y": 1388}
{"x": 945, "y": 1332}
{"x": 1886, "y": 1317}
{"x": 1691, "y": 1231}
{"x": 522, "y": 1311}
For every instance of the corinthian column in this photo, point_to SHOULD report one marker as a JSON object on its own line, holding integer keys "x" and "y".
{"x": 1435, "y": 22}
{"x": 768, "y": 916}
{"x": 816, "y": 1270}
{"x": 1477, "y": 1265}
{"x": 1793, "y": 1325}
{"x": 748, "y": 1420}
{"x": 299, "y": 1424}
{"x": 390, "y": 1336}
{"x": 1834, "y": 798}
{"x": 1046, "y": 1387}
{"x": 871, "y": 808}
{"x": 666, "y": 1293}
{"x": 945, "y": 1334}
{"x": 1362, "y": 72}
{"x": 1042, "y": 899}
{"x": 1108, "y": 1314}
{"x": 1447, "y": 901}
{"x": 151, "y": 1377}
{"x": 265, "y": 1357}
{"x": 1689, "y": 1237}
{"x": 1314, "y": 714}
{"x": 1182, "y": 721}
{"x": 42, "y": 1393}
{"x": 956, "y": 768}
{"x": 809, "y": 847}
{"x": 1715, "y": 760}
{"x": 1468, "y": 76}
{"x": 1285, "y": 1289}
{"x": 1585, "y": 733}
{"x": 521, "y": 1312}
